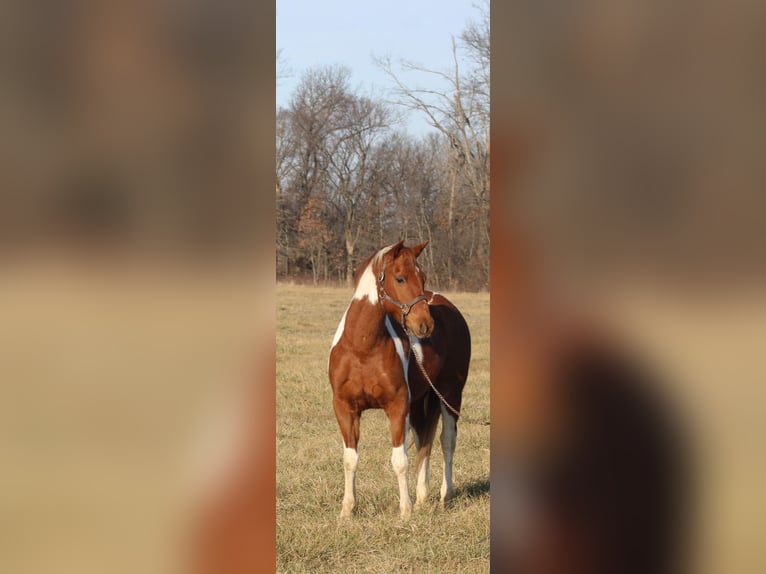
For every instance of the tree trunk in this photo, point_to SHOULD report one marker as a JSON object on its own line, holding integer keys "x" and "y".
{"x": 349, "y": 261}
{"x": 451, "y": 227}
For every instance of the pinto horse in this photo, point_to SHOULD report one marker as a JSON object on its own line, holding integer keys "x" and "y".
{"x": 390, "y": 321}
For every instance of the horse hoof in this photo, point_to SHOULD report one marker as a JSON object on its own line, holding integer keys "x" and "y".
{"x": 405, "y": 513}
{"x": 346, "y": 513}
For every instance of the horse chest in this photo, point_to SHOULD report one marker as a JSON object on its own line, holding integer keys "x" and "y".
{"x": 371, "y": 384}
{"x": 376, "y": 375}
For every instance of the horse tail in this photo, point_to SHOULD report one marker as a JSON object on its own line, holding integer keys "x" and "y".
{"x": 425, "y": 425}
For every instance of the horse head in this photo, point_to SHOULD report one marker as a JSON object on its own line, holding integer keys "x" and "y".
{"x": 401, "y": 284}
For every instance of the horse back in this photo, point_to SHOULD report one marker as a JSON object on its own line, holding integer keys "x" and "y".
{"x": 452, "y": 325}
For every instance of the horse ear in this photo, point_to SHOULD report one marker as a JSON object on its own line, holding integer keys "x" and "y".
{"x": 396, "y": 248}
{"x": 418, "y": 248}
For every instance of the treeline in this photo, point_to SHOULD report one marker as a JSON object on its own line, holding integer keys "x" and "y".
{"x": 350, "y": 179}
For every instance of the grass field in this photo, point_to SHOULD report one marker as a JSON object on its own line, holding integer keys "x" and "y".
{"x": 309, "y": 459}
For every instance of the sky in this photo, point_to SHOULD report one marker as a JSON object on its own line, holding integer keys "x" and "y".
{"x": 314, "y": 33}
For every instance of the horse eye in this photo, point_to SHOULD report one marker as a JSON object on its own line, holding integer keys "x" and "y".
{"x": 400, "y": 280}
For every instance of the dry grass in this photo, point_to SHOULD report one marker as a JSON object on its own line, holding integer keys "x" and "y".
{"x": 309, "y": 459}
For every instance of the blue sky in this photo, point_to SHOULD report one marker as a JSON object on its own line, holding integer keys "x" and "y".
{"x": 349, "y": 32}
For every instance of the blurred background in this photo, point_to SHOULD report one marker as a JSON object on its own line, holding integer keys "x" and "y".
{"x": 649, "y": 120}
{"x": 136, "y": 279}
{"x": 131, "y": 126}
{"x": 627, "y": 170}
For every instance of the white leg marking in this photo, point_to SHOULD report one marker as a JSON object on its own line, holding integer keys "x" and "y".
{"x": 400, "y": 464}
{"x": 421, "y": 490}
{"x": 350, "y": 461}
{"x": 448, "y": 440}
{"x": 423, "y": 480}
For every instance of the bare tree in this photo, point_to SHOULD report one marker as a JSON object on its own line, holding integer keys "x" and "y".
{"x": 283, "y": 69}
{"x": 285, "y": 167}
{"x": 460, "y": 112}
{"x": 304, "y": 139}
{"x": 349, "y": 181}
{"x": 325, "y": 157}
{"x": 410, "y": 191}
{"x": 352, "y": 174}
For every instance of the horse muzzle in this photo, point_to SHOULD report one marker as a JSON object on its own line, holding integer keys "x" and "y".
{"x": 425, "y": 329}
{"x": 419, "y": 322}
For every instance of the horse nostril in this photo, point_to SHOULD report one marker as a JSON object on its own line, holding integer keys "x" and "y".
{"x": 423, "y": 328}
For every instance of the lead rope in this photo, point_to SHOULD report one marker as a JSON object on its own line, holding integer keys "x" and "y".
{"x": 427, "y": 378}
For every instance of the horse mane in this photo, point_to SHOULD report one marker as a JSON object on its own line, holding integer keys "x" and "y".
{"x": 362, "y": 267}
{"x": 373, "y": 259}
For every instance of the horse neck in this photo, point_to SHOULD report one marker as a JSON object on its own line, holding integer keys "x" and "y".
{"x": 365, "y": 323}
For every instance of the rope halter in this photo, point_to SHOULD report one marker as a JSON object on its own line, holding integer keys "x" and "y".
{"x": 405, "y": 308}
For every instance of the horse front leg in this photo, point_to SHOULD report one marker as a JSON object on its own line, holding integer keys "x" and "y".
{"x": 348, "y": 421}
{"x": 399, "y": 422}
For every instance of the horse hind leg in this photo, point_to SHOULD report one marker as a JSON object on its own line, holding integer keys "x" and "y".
{"x": 350, "y": 462}
{"x": 399, "y": 423}
{"x": 424, "y": 417}
{"x": 448, "y": 440}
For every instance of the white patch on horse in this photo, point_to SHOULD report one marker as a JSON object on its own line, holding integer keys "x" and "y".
{"x": 417, "y": 348}
{"x": 339, "y": 330}
{"x": 350, "y": 461}
{"x": 400, "y": 464}
{"x": 423, "y": 476}
{"x": 367, "y": 286}
{"x": 403, "y": 356}
{"x": 399, "y": 459}
{"x": 368, "y": 283}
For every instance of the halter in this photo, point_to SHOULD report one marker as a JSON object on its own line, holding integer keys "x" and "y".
{"x": 405, "y": 308}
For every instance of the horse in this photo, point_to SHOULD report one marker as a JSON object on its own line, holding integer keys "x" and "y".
{"x": 390, "y": 320}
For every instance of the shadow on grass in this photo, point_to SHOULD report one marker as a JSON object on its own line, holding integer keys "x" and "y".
{"x": 473, "y": 489}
